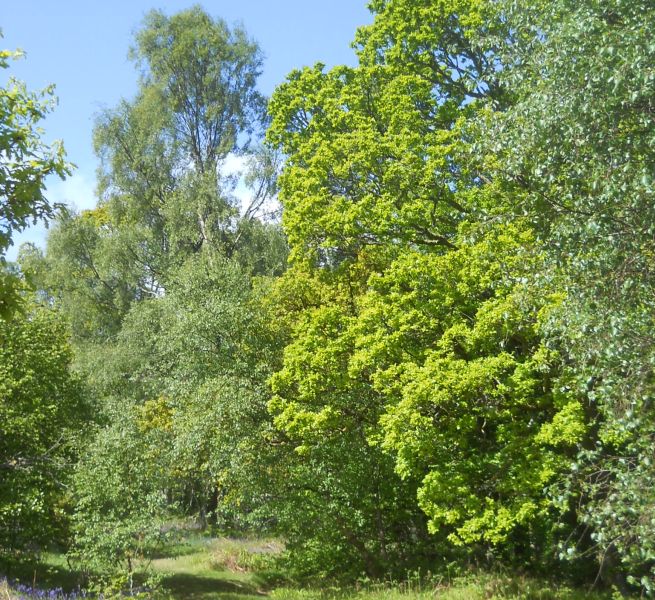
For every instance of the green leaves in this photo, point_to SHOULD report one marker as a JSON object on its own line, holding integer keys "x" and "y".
{"x": 120, "y": 500}
{"x": 422, "y": 335}
{"x": 578, "y": 146}
{"x": 165, "y": 192}
{"x": 459, "y": 360}
{"x": 41, "y": 401}
{"x": 208, "y": 74}
{"x": 27, "y": 159}
{"x": 158, "y": 282}
{"x": 441, "y": 366}
{"x": 42, "y": 411}
{"x": 27, "y": 162}
{"x": 376, "y": 156}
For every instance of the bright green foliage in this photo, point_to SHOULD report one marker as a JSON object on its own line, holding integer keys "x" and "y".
{"x": 42, "y": 409}
{"x": 452, "y": 342}
{"x": 440, "y": 365}
{"x": 341, "y": 507}
{"x": 376, "y": 153}
{"x": 425, "y": 330}
{"x": 26, "y": 162}
{"x": 368, "y": 162}
{"x": 444, "y": 42}
{"x": 378, "y": 179}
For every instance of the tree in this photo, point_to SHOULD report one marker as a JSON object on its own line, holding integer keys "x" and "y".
{"x": 184, "y": 405}
{"x": 119, "y": 488}
{"x": 377, "y": 155}
{"x": 42, "y": 410}
{"x": 383, "y": 202}
{"x": 577, "y": 149}
{"x": 162, "y": 154}
{"x": 42, "y": 404}
{"x": 453, "y": 344}
{"x": 165, "y": 195}
{"x": 337, "y": 500}
{"x": 27, "y": 160}
{"x": 203, "y": 353}
{"x": 158, "y": 282}
{"x": 26, "y": 163}
{"x": 87, "y": 272}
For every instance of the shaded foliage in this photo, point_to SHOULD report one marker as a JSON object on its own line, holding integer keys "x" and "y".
{"x": 42, "y": 406}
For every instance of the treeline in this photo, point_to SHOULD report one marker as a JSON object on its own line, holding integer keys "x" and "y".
{"x": 442, "y": 353}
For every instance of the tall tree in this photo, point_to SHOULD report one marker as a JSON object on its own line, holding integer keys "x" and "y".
{"x": 381, "y": 194}
{"x": 41, "y": 402}
{"x": 163, "y": 153}
{"x": 165, "y": 189}
{"x": 159, "y": 283}
{"x": 578, "y": 149}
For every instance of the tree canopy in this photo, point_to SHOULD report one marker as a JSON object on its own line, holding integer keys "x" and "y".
{"x": 422, "y": 338}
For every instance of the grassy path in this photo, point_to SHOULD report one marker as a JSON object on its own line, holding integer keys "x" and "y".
{"x": 204, "y": 568}
{"x": 222, "y": 569}
{"x": 200, "y": 571}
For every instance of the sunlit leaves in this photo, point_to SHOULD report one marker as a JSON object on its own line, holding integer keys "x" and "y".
{"x": 25, "y": 160}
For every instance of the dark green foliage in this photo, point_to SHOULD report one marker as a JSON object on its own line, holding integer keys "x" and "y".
{"x": 42, "y": 408}
{"x": 578, "y": 148}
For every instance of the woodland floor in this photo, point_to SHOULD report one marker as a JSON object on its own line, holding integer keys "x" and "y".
{"x": 204, "y": 568}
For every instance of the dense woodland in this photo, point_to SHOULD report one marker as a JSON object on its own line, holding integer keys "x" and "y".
{"x": 427, "y": 339}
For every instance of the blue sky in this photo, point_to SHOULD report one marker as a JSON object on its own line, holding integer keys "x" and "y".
{"x": 81, "y": 46}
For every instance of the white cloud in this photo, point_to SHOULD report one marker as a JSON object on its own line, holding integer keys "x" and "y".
{"x": 77, "y": 191}
{"x": 234, "y": 164}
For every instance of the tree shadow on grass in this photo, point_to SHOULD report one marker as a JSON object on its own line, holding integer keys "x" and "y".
{"x": 42, "y": 575}
{"x": 197, "y": 587}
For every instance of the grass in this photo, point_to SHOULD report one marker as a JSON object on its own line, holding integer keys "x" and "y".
{"x": 201, "y": 568}
{"x": 217, "y": 569}
{"x": 474, "y": 587}
{"x": 234, "y": 569}
{"x": 52, "y": 573}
